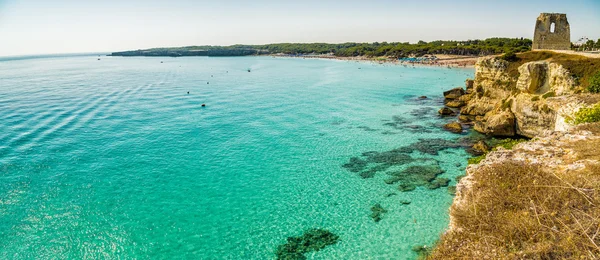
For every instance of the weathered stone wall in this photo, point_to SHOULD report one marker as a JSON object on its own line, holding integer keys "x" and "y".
{"x": 546, "y": 39}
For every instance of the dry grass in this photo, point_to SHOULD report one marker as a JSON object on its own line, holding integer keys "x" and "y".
{"x": 517, "y": 210}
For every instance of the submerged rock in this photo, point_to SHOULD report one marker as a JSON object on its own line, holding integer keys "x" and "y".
{"x": 355, "y": 164}
{"x": 437, "y": 183}
{"x": 417, "y": 175}
{"x": 311, "y": 240}
{"x": 377, "y": 212}
{"x": 432, "y": 146}
{"x": 452, "y": 190}
{"x": 406, "y": 187}
{"x": 423, "y": 112}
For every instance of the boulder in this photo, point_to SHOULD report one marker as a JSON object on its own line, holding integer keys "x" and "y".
{"x": 454, "y": 93}
{"x": 446, "y": 112}
{"x": 498, "y": 123}
{"x": 454, "y": 127}
{"x": 464, "y": 119}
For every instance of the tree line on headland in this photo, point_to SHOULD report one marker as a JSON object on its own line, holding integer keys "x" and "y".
{"x": 376, "y": 49}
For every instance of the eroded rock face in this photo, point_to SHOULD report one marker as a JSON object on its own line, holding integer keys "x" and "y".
{"x": 531, "y": 104}
{"x": 541, "y": 77}
{"x": 533, "y": 117}
{"x": 533, "y": 77}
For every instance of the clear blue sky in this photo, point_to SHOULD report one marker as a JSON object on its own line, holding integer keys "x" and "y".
{"x": 69, "y": 26}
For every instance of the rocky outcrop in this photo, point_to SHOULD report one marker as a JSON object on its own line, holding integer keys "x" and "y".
{"x": 454, "y": 127}
{"x": 454, "y": 93}
{"x": 498, "y": 124}
{"x": 446, "y": 112}
{"x": 535, "y": 101}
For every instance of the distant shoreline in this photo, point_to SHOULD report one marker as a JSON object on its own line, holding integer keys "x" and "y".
{"x": 453, "y": 61}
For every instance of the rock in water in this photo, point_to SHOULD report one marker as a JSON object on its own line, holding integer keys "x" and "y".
{"x": 446, "y": 112}
{"x": 454, "y": 93}
{"x": 454, "y": 127}
{"x": 311, "y": 240}
{"x": 481, "y": 147}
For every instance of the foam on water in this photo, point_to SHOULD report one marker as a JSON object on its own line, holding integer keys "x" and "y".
{"x": 113, "y": 159}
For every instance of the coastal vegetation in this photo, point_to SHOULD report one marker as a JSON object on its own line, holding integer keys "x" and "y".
{"x": 594, "y": 86}
{"x": 587, "y": 115}
{"x": 507, "y": 143}
{"x": 376, "y": 49}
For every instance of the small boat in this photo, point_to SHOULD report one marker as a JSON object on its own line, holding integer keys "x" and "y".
{"x": 203, "y": 105}
{"x": 248, "y": 70}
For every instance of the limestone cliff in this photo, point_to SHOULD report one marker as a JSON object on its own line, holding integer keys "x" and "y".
{"x": 536, "y": 100}
{"x": 540, "y": 199}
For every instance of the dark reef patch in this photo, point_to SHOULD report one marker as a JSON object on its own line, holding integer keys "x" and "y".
{"x": 366, "y": 128}
{"x": 416, "y": 175}
{"x": 431, "y": 146}
{"x": 355, "y": 164}
{"x": 423, "y": 112}
{"x": 311, "y": 240}
{"x": 377, "y": 212}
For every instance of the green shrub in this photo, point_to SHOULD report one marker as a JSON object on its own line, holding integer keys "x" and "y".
{"x": 587, "y": 115}
{"x": 535, "y": 98}
{"x": 476, "y": 160}
{"x": 594, "y": 86}
{"x": 509, "y": 56}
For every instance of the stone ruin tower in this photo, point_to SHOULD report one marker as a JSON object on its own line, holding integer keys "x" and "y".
{"x": 552, "y": 32}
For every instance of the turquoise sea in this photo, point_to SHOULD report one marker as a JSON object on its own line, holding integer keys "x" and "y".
{"x": 113, "y": 159}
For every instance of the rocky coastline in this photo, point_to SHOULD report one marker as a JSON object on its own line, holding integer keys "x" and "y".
{"x": 539, "y": 198}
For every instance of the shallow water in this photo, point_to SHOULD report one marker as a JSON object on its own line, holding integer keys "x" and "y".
{"x": 112, "y": 158}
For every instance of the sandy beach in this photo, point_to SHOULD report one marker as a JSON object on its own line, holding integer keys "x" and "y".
{"x": 453, "y": 61}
